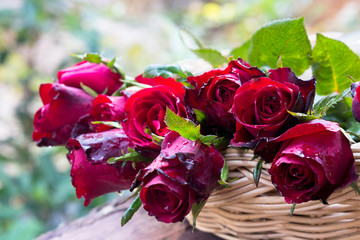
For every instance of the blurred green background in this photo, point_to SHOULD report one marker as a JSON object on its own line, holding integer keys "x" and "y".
{"x": 36, "y": 40}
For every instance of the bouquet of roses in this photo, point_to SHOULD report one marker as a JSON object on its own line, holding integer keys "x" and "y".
{"x": 161, "y": 133}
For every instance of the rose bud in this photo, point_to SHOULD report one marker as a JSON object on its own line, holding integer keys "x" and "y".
{"x": 98, "y": 77}
{"x": 106, "y": 108}
{"x": 167, "y": 82}
{"x": 214, "y": 92}
{"x": 314, "y": 160}
{"x": 145, "y": 112}
{"x": 356, "y": 101}
{"x": 63, "y": 107}
{"x": 185, "y": 172}
{"x": 261, "y": 106}
{"x": 91, "y": 175}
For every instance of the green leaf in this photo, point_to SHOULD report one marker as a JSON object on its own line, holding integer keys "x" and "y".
{"x": 356, "y": 187}
{"x": 115, "y": 66}
{"x": 166, "y": 71}
{"x": 184, "y": 127}
{"x": 221, "y": 143}
{"x": 189, "y": 39}
{"x": 286, "y": 38}
{"x": 352, "y": 79}
{"x": 212, "y": 56}
{"x": 207, "y": 139}
{"x": 279, "y": 63}
{"x": 354, "y": 129}
{"x": 292, "y": 209}
{"x": 320, "y": 104}
{"x": 187, "y": 128}
{"x": 147, "y": 130}
{"x": 88, "y": 90}
{"x": 135, "y": 193}
{"x": 92, "y": 57}
{"x": 196, "y": 209}
{"x": 242, "y": 51}
{"x": 356, "y": 136}
{"x": 200, "y": 116}
{"x": 224, "y": 172}
{"x": 257, "y": 172}
{"x": 109, "y": 123}
{"x": 132, "y": 156}
{"x": 129, "y": 213}
{"x": 324, "y": 104}
{"x": 105, "y": 91}
{"x": 157, "y": 139}
{"x": 132, "y": 82}
{"x": 333, "y": 61}
{"x": 303, "y": 117}
{"x": 111, "y": 63}
{"x": 97, "y": 58}
{"x": 225, "y": 184}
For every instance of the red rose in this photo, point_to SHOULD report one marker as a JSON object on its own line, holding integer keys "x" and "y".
{"x": 63, "y": 107}
{"x": 166, "y": 199}
{"x": 185, "y": 172}
{"x": 168, "y": 82}
{"x": 214, "y": 92}
{"x": 145, "y": 112}
{"x": 96, "y": 76}
{"x": 314, "y": 159}
{"x": 356, "y": 101}
{"x": 106, "y": 108}
{"x": 261, "y": 105}
{"x": 91, "y": 175}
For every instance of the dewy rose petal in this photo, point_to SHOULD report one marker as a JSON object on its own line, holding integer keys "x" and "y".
{"x": 313, "y": 160}
{"x": 63, "y": 107}
{"x": 91, "y": 175}
{"x": 185, "y": 172}
{"x": 261, "y": 106}
{"x": 96, "y": 76}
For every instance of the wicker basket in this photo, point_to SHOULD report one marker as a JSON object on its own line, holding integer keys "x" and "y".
{"x": 245, "y": 211}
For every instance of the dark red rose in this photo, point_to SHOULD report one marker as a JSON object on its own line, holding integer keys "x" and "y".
{"x": 166, "y": 199}
{"x": 314, "y": 160}
{"x": 91, "y": 175}
{"x": 356, "y": 101}
{"x": 168, "y": 82}
{"x": 107, "y": 108}
{"x": 63, "y": 107}
{"x": 145, "y": 112}
{"x": 214, "y": 92}
{"x": 261, "y": 105}
{"x": 96, "y": 76}
{"x": 185, "y": 172}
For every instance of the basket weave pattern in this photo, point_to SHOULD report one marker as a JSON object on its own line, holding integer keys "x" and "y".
{"x": 245, "y": 211}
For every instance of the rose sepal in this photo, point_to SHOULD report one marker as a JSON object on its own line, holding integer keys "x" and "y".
{"x": 129, "y": 213}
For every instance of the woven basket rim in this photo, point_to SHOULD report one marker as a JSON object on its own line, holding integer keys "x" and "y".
{"x": 248, "y": 212}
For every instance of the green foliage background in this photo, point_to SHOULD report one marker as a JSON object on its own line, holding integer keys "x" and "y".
{"x": 36, "y": 39}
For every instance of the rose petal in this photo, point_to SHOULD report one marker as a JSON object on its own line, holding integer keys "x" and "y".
{"x": 96, "y": 76}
